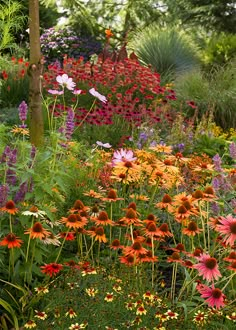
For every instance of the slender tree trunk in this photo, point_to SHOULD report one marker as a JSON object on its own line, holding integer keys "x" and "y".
{"x": 35, "y": 72}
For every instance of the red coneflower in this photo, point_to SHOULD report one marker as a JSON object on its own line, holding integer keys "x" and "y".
{"x": 51, "y": 269}
{"x": 11, "y": 241}
{"x": 227, "y": 227}
{"x": 207, "y": 267}
{"x": 231, "y": 257}
{"x": 232, "y": 266}
{"x": 70, "y": 236}
{"x": 214, "y": 296}
{"x": 115, "y": 245}
{"x": 102, "y": 219}
{"x": 129, "y": 260}
{"x": 37, "y": 231}
{"x": 192, "y": 229}
{"x": 9, "y": 208}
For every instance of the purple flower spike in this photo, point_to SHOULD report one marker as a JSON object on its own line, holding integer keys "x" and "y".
{"x": 23, "y": 109}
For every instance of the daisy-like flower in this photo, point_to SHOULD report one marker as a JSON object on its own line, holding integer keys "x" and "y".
{"x": 30, "y": 324}
{"x": 129, "y": 260}
{"x": 200, "y": 318}
{"x": 74, "y": 221}
{"x": 214, "y": 296}
{"x": 98, "y": 234}
{"x": 192, "y": 229}
{"x": 37, "y": 231}
{"x": 175, "y": 257}
{"x": 141, "y": 311}
{"x": 71, "y": 313}
{"x": 11, "y": 241}
{"x": 166, "y": 203}
{"x": 78, "y": 326}
{"x": 163, "y": 148}
{"x": 231, "y": 317}
{"x": 40, "y": 315}
{"x": 70, "y": 236}
{"x": 123, "y": 155}
{"x": 151, "y": 230}
{"x": 41, "y": 289}
{"x": 35, "y": 212}
{"x": 91, "y": 292}
{"x": 172, "y": 315}
{"x": 77, "y": 91}
{"x": 227, "y": 228}
{"x": 130, "y": 218}
{"x": 163, "y": 231}
{"x": 231, "y": 257}
{"x": 51, "y": 239}
{"x": 207, "y": 267}
{"x": 65, "y": 81}
{"x": 148, "y": 296}
{"x": 78, "y": 207}
{"x": 109, "y": 297}
{"x": 51, "y": 269}
{"x": 99, "y": 96}
{"x": 9, "y": 208}
{"x": 102, "y": 219}
{"x": 93, "y": 194}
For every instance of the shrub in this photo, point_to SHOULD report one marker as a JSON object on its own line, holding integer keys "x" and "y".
{"x": 55, "y": 44}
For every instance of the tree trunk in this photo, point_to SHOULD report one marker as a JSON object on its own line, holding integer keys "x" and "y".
{"x": 35, "y": 71}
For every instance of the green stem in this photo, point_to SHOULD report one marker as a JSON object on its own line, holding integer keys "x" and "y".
{"x": 59, "y": 253}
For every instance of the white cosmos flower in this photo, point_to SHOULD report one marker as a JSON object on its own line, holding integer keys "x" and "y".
{"x": 104, "y": 145}
{"x": 65, "y": 81}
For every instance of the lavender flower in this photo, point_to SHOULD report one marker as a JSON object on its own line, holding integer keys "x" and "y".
{"x": 69, "y": 124}
{"x": 23, "y": 109}
{"x": 4, "y": 190}
{"x": 232, "y": 150}
{"x": 217, "y": 162}
{"x": 20, "y": 195}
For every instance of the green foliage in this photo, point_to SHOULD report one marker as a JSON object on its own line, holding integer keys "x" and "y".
{"x": 11, "y": 21}
{"x": 220, "y": 49}
{"x": 214, "y": 92}
{"x": 169, "y": 51}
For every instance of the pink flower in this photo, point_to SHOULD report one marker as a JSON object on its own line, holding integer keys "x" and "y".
{"x": 77, "y": 91}
{"x": 123, "y": 155}
{"x": 207, "y": 267}
{"x": 99, "y": 96}
{"x": 215, "y": 296}
{"x": 65, "y": 81}
{"x": 55, "y": 92}
{"x": 227, "y": 227}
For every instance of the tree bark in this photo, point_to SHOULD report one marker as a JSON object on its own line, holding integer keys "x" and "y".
{"x": 35, "y": 71}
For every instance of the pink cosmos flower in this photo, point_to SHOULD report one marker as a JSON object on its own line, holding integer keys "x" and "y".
{"x": 227, "y": 227}
{"x": 55, "y": 92}
{"x": 207, "y": 267}
{"x": 123, "y": 155}
{"x": 77, "y": 91}
{"x": 65, "y": 81}
{"x": 215, "y": 296}
{"x": 99, "y": 96}
{"x": 104, "y": 145}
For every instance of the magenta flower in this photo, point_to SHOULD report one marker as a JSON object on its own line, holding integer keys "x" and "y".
{"x": 65, "y": 81}
{"x": 99, "y": 96}
{"x": 55, "y": 92}
{"x": 227, "y": 227}
{"x": 207, "y": 267}
{"x": 123, "y": 155}
{"x": 215, "y": 296}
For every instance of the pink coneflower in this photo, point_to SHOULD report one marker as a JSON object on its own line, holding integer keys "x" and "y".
{"x": 207, "y": 267}
{"x": 227, "y": 227}
{"x": 215, "y": 296}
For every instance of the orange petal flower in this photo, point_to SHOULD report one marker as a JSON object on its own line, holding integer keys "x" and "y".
{"x": 9, "y": 208}
{"x": 11, "y": 241}
{"x": 37, "y": 231}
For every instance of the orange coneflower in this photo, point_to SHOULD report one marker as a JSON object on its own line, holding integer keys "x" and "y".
{"x": 102, "y": 219}
{"x": 163, "y": 231}
{"x": 162, "y": 148}
{"x": 135, "y": 249}
{"x": 93, "y": 194}
{"x": 232, "y": 266}
{"x": 175, "y": 257}
{"x": 166, "y": 203}
{"x": 98, "y": 234}
{"x": 111, "y": 196}
{"x": 179, "y": 199}
{"x": 231, "y": 257}
{"x": 179, "y": 248}
{"x": 140, "y": 197}
{"x": 151, "y": 230}
{"x": 129, "y": 260}
{"x": 150, "y": 219}
{"x": 9, "y": 208}
{"x": 209, "y": 194}
{"x": 130, "y": 218}
{"x": 182, "y": 214}
{"x": 74, "y": 221}
{"x": 108, "y": 33}
{"x": 37, "y": 231}
{"x": 78, "y": 207}
{"x": 147, "y": 257}
{"x": 192, "y": 229}
{"x": 11, "y": 241}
